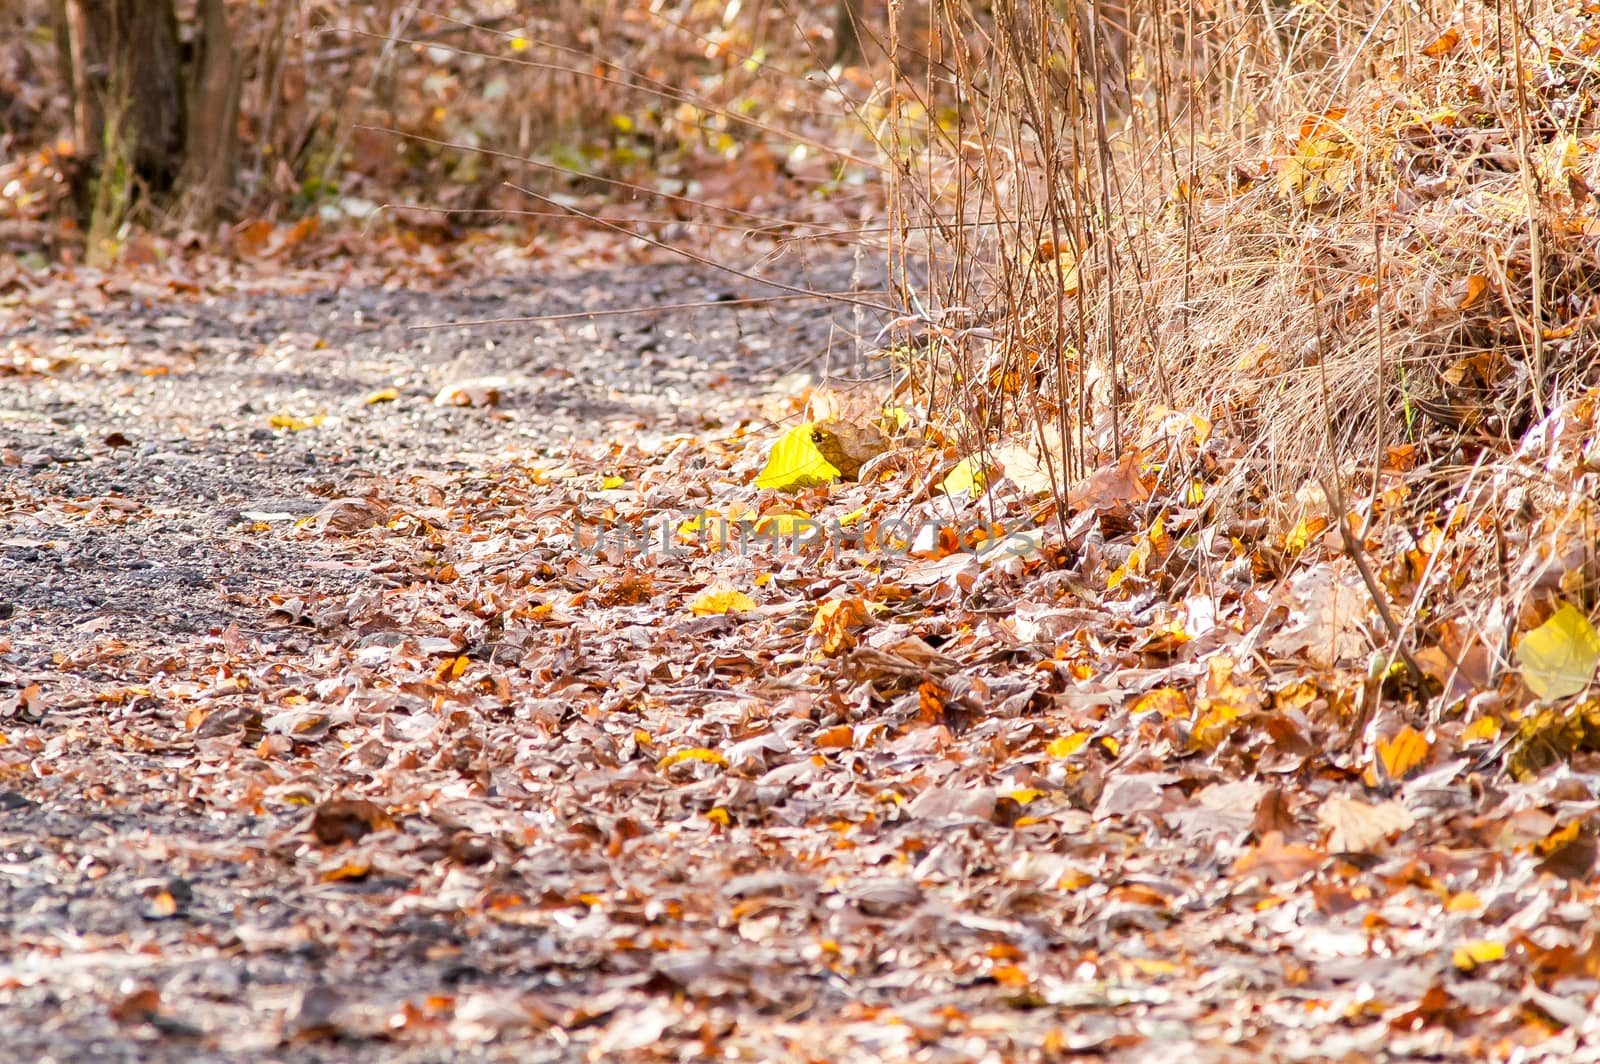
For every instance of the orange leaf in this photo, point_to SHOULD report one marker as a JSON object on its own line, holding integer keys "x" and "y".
{"x": 1477, "y": 284}
{"x": 841, "y": 737}
{"x": 1443, "y": 44}
{"x": 1402, "y": 753}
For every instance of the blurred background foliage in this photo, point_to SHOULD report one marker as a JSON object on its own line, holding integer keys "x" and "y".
{"x": 333, "y": 111}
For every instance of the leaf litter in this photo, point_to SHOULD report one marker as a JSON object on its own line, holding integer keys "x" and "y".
{"x": 554, "y": 748}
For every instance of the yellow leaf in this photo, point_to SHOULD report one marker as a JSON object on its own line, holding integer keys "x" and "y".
{"x": 1025, "y": 795}
{"x": 1472, "y": 291}
{"x": 622, "y": 123}
{"x": 1214, "y": 726}
{"x": 967, "y": 477}
{"x": 295, "y": 424}
{"x": 718, "y": 815}
{"x": 696, "y": 753}
{"x": 1465, "y": 902}
{"x": 1559, "y": 656}
{"x": 382, "y": 395}
{"x": 785, "y": 525}
{"x": 1067, "y": 745}
{"x": 717, "y": 599}
{"x": 1170, "y": 702}
{"x": 1477, "y": 952}
{"x": 518, "y": 42}
{"x": 1482, "y": 730}
{"x": 1302, "y": 533}
{"x": 347, "y": 870}
{"x": 795, "y": 462}
{"x": 1558, "y": 840}
{"x": 612, "y": 482}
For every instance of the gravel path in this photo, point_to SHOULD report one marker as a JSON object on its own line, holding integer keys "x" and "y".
{"x": 154, "y": 456}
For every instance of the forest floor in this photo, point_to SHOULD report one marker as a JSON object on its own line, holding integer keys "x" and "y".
{"x": 325, "y": 736}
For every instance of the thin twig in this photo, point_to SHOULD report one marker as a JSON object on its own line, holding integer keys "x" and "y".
{"x": 612, "y": 312}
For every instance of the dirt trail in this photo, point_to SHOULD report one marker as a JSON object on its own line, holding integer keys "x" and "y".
{"x": 322, "y": 739}
{"x": 154, "y": 474}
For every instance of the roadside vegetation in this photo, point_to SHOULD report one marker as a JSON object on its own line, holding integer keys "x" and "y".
{"x": 1157, "y": 619}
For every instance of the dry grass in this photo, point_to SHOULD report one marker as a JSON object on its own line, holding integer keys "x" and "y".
{"x": 1283, "y": 218}
{"x": 1320, "y": 259}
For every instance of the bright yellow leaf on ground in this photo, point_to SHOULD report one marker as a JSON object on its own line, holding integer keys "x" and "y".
{"x": 966, "y": 478}
{"x": 612, "y": 482}
{"x": 1213, "y": 726}
{"x": 721, "y": 600}
{"x": 696, "y": 753}
{"x": 382, "y": 395}
{"x": 295, "y": 424}
{"x": 1470, "y": 956}
{"x": 785, "y": 525}
{"x": 1303, "y": 532}
{"x": 1067, "y": 745}
{"x": 1168, "y": 701}
{"x": 1559, "y": 656}
{"x": 796, "y": 463}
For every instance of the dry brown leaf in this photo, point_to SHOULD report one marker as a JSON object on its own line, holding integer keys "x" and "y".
{"x": 1356, "y": 827}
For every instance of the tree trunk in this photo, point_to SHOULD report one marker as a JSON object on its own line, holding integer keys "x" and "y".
{"x": 847, "y": 30}
{"x": 127, "y": 86}
{"x": 210, "y": 154}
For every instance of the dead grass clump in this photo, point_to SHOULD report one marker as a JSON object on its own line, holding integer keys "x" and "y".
{"x": 1309, "y": 263}
{"x": 1370, "y": 220}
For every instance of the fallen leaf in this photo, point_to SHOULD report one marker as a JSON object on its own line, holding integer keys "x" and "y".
{"x": 796, "y": 462}
{"x": 1476, "y": 953}
{"x": 481, "y": 391}
{"x": 1356, "y": 827}
{"x": 833, "y": 623}
{"x": 341, "y": 820}
{"x": 719, "y": 598}
{"x": 1558, "y": 657}
{"x": 291, "y": 423}
{"x": 697, "y": 753}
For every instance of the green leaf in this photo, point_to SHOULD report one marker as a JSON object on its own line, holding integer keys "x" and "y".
{"x": 1559, "y": 656}
{"x": 795, "y": 462}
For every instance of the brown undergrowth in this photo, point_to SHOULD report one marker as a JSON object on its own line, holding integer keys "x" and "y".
{"x": 1323, "y": 279}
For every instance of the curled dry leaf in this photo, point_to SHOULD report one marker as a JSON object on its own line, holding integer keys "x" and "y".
{"x": 1356, "y": 827}
{"x": 342, "y": 820}
{"x": 479, "y": 391}
{"x": 349, "y": 515}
